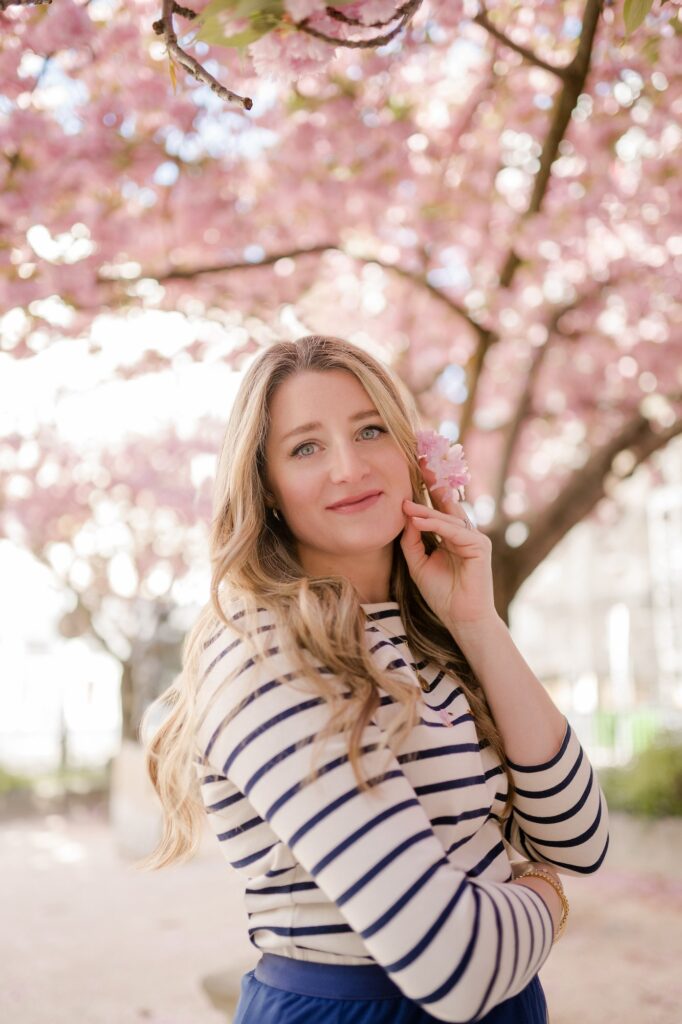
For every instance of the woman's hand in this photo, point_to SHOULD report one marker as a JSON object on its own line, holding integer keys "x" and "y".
{"x": 456, "y": 578}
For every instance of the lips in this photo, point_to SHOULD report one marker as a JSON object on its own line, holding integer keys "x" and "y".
{"x": 355, "y": 499}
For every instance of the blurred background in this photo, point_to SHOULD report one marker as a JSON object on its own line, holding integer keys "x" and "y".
{"x": 489, "y": 202}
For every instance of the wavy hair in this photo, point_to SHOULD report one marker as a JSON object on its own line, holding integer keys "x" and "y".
{"x": 253, "y": 558}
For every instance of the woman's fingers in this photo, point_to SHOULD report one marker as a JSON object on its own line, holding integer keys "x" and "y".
{"x": 441, "y": 526}
{"x": 420, "y": 513}
{"x": 422, "y": 510}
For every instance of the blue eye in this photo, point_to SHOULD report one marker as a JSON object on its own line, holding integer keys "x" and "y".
{"x": 297, "y": 451}
{"x": 306, "y": 444}
{"x": 373, "y": 427}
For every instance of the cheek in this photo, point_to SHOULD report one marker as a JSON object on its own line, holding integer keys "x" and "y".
{"x": 300, "y": 491}
{"x": 398, "y": 472}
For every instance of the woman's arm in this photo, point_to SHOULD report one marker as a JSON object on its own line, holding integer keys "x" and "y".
{"x": 531, "y": 725}
{"x": 560, "y": 814}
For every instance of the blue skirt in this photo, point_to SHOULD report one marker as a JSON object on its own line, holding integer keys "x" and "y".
{"x": 281, "y": 990}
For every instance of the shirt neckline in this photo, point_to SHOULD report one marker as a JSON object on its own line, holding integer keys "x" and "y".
{"x": 379, "y": 606}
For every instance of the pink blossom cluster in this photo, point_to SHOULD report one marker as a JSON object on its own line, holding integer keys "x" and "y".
{"x": 284, "y": 53}
{"x": 445, "y": 460}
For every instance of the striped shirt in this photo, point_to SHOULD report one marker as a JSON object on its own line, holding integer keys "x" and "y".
{"x": 413, "y": 880}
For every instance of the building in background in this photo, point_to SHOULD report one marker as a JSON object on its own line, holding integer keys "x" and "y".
{"x": 600, "y": 621}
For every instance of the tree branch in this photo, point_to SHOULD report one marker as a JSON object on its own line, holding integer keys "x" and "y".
{"x": 483, "y": 20}
{"x": 524, "y": 406}
{"x": 581, "y": 493}
{"x": 405, "y": 13}
{"x": 189, "y": 273}
{"x": 164, "y": 27}
{"x": 573, "y": 77}
{"x": 4, "y": 4}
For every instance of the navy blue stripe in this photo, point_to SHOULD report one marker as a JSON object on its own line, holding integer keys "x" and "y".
{"x": 466, "y": 717}
{"x": 454, "y": 819}
{"x": 383, "y": 642}
{"x": 231, "y": 833}
{"x": 377, "y": 868}
{"x": 338, "y": 802}
{"x": 237, "y": 709}
{"x": 512, "y": 891}
{"x": 397, "y": 663}
{"x": 405, "y": 898}
{"x": 440, "y": 787}
{"x": 337, "y": 850}
{"x": 299, "y": 945}
{"x": 429, "y": 936}
{"x": 282, "y": 756}
{"x": 386, "y": 613}
{"x": 317, "y": 929}
{"x": 541, "y": 794}
{"x": 532, "y": 854}
{"x": 515, "y": 965}
{"x": 448, "y": 700}
{"x": 225, "y": 650}
{"x": 461, "y": 967}
{"x": 554, "y": 818}
{"x": 460, "y": 842}
{"x": 582, "y": 869}
{"x": 299, "y": 786}
{"x": 576, "y": 840}
{"x": 488, "y": 859}
{"x": 207, "y": 643}
{"x": 245, "y": 861}
{"x": 270, "y": 723}
{"x": 269, "y": 890}
{"x": 452, "y": 748}
{"x": 227, "y": 802}
{"x": 498, "y": 953}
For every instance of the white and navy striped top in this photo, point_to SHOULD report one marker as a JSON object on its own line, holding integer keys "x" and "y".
{"x": 415, "y": 880}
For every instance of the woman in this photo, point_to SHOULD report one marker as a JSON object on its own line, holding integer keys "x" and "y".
{"x": 371, "y": 748}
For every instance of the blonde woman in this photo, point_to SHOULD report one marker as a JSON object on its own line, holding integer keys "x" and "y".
{"x": 377, "y": 760}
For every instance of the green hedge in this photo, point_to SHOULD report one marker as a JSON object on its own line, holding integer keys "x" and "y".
{"x": 651, "y": 783}
{"x": 76, "y": 780}
{"x": 11, "y": 781}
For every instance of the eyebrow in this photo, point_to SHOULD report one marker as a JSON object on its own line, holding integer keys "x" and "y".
{"x": 314, "y": 426}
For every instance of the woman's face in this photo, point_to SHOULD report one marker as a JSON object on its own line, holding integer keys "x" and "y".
{"x": 343, "y": 451}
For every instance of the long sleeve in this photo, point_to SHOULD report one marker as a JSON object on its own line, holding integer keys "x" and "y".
{"x": 559, "y": 811}
{"x": 456, "y": 945}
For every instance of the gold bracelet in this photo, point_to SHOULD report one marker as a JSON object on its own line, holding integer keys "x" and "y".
{"x": 540, "y": 872}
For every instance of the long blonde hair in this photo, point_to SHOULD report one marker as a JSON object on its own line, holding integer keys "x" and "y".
{"x": 253, "y": 557}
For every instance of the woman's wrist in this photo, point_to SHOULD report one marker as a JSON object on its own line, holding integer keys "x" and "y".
{"x": 549, "y": 888}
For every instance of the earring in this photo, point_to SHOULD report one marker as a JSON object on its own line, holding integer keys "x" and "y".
{"x": 275, "y": 513}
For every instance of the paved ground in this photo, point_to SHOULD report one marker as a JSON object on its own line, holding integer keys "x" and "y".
{"x": 88, "y": 939}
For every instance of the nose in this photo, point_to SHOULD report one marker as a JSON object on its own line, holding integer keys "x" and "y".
{"x": 347, "y": 462}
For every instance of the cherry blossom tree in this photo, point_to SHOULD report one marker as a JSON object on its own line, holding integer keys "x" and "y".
{"x": 120, "y": 530}
{"x": 490, "y": 199}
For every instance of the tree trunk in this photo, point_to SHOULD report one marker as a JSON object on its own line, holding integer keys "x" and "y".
{"x": 128, "y": 716}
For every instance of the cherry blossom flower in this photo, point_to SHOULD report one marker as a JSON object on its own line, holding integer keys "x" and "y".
{"x": 444, "y": 459}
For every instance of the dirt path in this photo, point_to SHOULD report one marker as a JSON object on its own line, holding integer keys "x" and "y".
{"x": 87, "y": 939}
